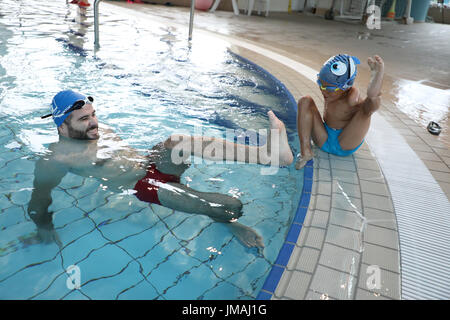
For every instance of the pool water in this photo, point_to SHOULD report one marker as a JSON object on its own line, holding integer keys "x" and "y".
{"x": 148, "y": 83}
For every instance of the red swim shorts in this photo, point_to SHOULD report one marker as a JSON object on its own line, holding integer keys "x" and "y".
{"x": 147, "y": 189}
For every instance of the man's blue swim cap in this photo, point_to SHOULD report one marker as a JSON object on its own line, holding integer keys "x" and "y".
{"x": 62, "y": 102}
{"x": 339, "y": 70}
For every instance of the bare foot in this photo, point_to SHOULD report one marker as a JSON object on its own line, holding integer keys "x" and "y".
{"x": 302, "y": 160}
{"x": 286, "y": 157}
{"x": 246, "y": 235}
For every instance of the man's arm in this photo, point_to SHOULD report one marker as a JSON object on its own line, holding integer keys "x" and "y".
{"x": 373, "y": 100}
{"x": 47, "y": 175}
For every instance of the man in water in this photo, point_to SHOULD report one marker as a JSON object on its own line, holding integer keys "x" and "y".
{"x": 346, "y": 117}
{"x": 88, "y": 150}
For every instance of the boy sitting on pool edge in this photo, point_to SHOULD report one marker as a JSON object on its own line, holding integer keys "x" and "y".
{"x": 346, "y": 115}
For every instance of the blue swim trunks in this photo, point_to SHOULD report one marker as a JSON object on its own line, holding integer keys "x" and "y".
{"x": 332, "y": 144}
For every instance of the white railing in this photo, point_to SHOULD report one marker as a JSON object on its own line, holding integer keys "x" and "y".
{"x": 96, "y": 22}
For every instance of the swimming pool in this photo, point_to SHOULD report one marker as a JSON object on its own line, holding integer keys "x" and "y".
{"x": 148, "y": 83}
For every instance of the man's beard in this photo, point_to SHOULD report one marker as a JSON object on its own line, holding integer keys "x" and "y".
{"x": 82, "y": 135}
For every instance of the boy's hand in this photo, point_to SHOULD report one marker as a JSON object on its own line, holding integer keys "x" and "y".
{"x": 376, "y": 63}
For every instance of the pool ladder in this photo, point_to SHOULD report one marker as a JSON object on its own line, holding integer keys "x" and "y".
{"x": 96, "y": 28}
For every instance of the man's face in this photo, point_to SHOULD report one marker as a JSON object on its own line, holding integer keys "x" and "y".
{"x": 83, "y": 124}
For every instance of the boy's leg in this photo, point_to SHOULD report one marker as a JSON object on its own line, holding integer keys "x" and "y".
{"x": 354, "y": 132}
{"x": 309, "y": 125}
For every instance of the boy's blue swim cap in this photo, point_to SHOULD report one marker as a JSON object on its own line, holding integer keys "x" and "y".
{"x": 62, "y": 102}
{"x": 339, "y": 70}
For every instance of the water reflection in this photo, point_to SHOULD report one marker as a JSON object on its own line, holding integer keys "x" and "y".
{"x": 423, "y": 103}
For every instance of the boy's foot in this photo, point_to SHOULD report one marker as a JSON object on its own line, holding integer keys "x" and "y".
{"x": 286, "y": 156}
{"x": 74, "y": 1}
{"x": 303, "y": 160}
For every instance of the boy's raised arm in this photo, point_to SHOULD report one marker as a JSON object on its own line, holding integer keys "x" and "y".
{"x": 373, "y": 100}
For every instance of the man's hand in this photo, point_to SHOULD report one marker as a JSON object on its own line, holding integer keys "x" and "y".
{"x": 49, "y": 235}
{"x": 47, "y": 175}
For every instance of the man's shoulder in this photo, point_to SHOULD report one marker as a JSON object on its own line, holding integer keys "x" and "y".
{"x": 48, "y": 167}
{"x": 58, "y": 155}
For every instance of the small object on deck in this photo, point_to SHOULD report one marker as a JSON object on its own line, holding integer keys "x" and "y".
{"x": 391, "y": 13}
{"x": 329, "y": 15}
{"x": 203, "y": 4}
{"x": 84, "y": 4}
{"x": 434, "y": 128}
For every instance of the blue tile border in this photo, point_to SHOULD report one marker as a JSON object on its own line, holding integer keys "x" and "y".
{"x": 284, "y": 254}
{"x": 274, "y": 276}
{"x": 263, "y": 295}
{"x": 272, "y": 280}
{"x": 293, "y": 233}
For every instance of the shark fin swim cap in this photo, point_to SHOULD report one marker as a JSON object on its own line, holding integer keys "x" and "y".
{"x": 62, "y": 102}
{"x": 339, "y": 70}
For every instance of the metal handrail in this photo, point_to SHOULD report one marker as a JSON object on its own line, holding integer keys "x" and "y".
{"x": 96, "y": 28}
{"x": 191, "y": 20}
{"x": 96, "y": 38}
